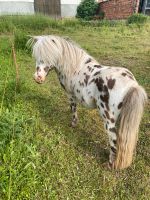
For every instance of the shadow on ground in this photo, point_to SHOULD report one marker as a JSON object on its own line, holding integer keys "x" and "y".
{"x": 88, "y": 137}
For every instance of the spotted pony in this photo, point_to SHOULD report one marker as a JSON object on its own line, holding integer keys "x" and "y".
{"x": 112, "y": 90}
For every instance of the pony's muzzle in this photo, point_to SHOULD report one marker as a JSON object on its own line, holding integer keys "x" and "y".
{"x": 39, "y": 79}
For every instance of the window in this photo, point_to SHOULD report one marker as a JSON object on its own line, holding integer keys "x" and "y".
{"x": 148, "y": 4}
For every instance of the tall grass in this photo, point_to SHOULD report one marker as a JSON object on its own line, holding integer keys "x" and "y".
{"x": 26, "y": 23}
{"x": 8, "y": 24}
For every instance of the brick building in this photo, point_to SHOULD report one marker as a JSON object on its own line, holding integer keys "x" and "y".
{"x": 121, "y": 9}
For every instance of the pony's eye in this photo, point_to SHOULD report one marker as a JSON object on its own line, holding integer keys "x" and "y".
{"x": 46, "y": 69}
{"x": 37, "y": 68}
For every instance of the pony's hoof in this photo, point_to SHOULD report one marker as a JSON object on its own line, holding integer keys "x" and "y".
{"x": 73, "y": 124}
{"x": 108, "y": 165}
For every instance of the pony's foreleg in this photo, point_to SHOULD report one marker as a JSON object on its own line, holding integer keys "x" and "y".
{"x": 73, "y": 107}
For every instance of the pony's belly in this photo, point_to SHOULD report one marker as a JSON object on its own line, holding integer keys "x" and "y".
{"x": 89, "y": 105}
{"x": 88, "y": 102}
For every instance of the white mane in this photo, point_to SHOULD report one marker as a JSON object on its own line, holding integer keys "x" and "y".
{"x": 58, "y": 51}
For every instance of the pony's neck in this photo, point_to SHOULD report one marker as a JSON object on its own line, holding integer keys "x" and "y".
{"x": 71, "y": 59}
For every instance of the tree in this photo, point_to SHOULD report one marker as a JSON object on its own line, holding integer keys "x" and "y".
{"x": 87, "y": 9}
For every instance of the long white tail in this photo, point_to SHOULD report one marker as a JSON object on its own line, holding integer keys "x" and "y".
{"x": 131, "y": 114}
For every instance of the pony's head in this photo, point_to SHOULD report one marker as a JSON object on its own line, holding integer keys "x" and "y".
{"x": 42, "y": 71}
{"x": 46, "y": 54}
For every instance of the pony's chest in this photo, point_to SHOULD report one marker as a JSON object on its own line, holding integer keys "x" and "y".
{"x": 62, "y": 80}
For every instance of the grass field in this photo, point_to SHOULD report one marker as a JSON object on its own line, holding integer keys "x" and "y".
{"x": 41, "y": 156}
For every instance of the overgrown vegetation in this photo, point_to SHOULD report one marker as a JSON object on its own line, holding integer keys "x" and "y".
{"x": 137, "y": 19}
{"x": 30, "y": 24}
{"x": 41, "y": 157}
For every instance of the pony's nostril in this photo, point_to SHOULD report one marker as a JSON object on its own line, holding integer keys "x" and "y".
{"x": 40, "y": 77}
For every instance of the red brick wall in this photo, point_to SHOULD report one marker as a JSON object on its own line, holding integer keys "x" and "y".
{"x": 119, "y": 9}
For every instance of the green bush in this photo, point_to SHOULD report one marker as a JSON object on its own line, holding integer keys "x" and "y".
{"x": 137, "y": 19}
{"x": 87, "y": 9}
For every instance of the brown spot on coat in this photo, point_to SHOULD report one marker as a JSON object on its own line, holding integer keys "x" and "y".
{"x": 91, "y": 81}
{"x": 113, "y": 130}
{"x": 89, "y": 60}
{"x": 99, "y": 83}
{"x": 82, "y": 99}
{"x": 105, "y": 98}
{"x": 104, "y": 116}
{"x": 89, "y": 68}
{"x": 120, "y": 105}
{"x": 97, "y": 73}
{"x": 102, "y": 105}
{"x": 111, "y": 83}
{"x": 115, "y": 142}
{"x": 106, "y": 126}
{"x": 81, "y": 84}
{"x": 86, "y": 79}
{"x": 113, "y": 150}
{"x": 107, "y": 114}
{"x": 112, "y": 120}
{"x": 98, "y": 66}
{"x": 123, "y": 74}
{"x": 105, "y": 89}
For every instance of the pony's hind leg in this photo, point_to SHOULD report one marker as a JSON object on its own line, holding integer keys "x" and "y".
{"x": 73, "y": 107}
{"x": 110, "y": 119}
{"x": 112, "y": 134}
